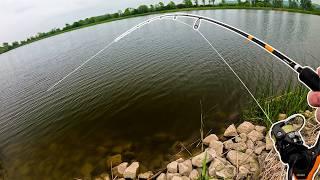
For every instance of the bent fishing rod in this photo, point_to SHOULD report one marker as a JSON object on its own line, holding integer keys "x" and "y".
{"x": 306, "y": 75}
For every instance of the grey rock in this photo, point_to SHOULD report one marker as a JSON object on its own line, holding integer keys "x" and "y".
{"x": 171, "y": 175}
{"x": 131, "y": 171}
{"x": 217, "y": 146}
{"x": 194, "y": 175}
{"x": 146, "y": 175}
{"x": 250, "y": 144}
{"x": 172, "y": 167}
{"x": 210, "y": 138}
{"x": 185, "y": 178}
{"x": 224, "y": 160}
{"x": 119, "y": 170}
{"x": 227, "y": 172}
{"x": 269, "y": 143}
{"x": 177, "y": 178}
{"x": 238, "y": 139}
{"x": 228, "y": 144}
{"x": 243, "y": 137}
{"x": 254, "y": 166}
{"x": 259, "y": 149}
{"x": 240, "y": 146}
{"x": 261, "y": 129}
{"x": 215, "y": 165}
{"x": 231, "y": 131}
{"x": 260, "y": 143}
{"x": 249, "y": 151}
{"x": 185, "y": 168}
{"x": 255, "y": 136}
{"x": 245, "y": 127}
{"x": 180, "y": 160}
{"x": 239, "y": 158}
{"x": 162, "y": 176}
{"x": 209, "y": 154}
{"x": 243, "y": 172}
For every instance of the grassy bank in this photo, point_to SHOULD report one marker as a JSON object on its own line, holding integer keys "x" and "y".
{"x": 291, "y": 100}
{"x": 14, "y": 45}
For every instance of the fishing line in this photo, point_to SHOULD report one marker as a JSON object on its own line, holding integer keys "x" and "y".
{"x": 106, "y": 47}
{"x": 85, "y": 62}
{"x": 306, "y": 75}
{"x": 233, "y": 71}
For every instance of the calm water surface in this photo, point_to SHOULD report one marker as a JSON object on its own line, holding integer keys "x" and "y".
{"x": 140, "y": 96}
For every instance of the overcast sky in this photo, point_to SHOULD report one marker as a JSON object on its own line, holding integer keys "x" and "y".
{"x": 22, "y": 18}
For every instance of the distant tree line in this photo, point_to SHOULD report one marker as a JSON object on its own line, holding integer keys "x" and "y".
{"x": 142, "y": 9}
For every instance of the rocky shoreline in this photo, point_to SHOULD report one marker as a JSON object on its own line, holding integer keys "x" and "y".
{"x": 242, "y": 152}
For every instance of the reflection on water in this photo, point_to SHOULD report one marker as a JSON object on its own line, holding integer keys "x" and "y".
{"x": 140, "y": 97}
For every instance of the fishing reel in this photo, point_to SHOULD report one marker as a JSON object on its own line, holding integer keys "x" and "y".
{"x": 302, "y": 161}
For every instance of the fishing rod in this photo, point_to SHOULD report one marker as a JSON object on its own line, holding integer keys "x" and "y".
{"x": 306, "y": 75}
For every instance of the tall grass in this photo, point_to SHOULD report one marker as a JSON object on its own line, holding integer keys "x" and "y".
{"x": 204, "y": 172}
{"x": 290, "y": 99}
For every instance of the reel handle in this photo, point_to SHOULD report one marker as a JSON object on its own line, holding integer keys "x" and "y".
{"x": 310, "y": 78}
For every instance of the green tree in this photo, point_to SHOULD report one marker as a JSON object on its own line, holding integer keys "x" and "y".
{"x": 211, "y": 2}
{"x": 161, "y": 5}
{"x": 5, "y": 44}
{"x": 196, "y": 3}
{"x": 143, "y": 9}
{"x": 127, "y": 12}
{"x": 76, "y": 24}
{"x": 204, "y": 2}
{"x": 266, "y": 2}
{"x": 120, "y": 13}
{"x": 67, "y": 26}
{"x": 293, "y": 4}
{"x": 115, "y": 15}
{"x": 15, "y": 44}
{"x": 187, "y": 3}
{"x": 306, "y": 4}
{"x": 179, "y": 6}
{"x": 171, "y": 5}
{"x": 91, "y": 20}
{"x": 151, "y": 8}
{"x": 277, "y": 3}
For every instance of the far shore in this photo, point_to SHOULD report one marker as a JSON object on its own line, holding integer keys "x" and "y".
{"x": 314, "y": 12}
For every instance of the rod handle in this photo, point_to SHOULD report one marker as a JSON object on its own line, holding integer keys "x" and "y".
{"x": 310, "y": 78}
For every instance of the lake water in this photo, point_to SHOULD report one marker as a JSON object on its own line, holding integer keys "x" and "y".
{"x": 142, "y": 95}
